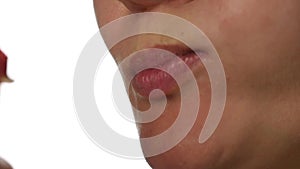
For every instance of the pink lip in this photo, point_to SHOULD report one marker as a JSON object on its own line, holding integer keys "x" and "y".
{"x": 152, "y": 78}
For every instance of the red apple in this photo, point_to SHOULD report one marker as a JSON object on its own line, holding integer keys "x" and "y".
{"x": 3, "y": 62}
{"x": 4, "y": 164}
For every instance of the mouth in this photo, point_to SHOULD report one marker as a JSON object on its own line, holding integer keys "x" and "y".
{"x": 164, "y": 68}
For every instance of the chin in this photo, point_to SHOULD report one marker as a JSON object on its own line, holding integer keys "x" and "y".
{"x": 189, "y": 154}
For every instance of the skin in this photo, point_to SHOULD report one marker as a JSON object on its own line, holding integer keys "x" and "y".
{"x": 259, "y": 46}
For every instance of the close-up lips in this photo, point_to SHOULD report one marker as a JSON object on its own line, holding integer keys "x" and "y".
{"x": 159, "y": 67}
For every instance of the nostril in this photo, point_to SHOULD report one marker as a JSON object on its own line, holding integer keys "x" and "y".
{"x": 140, "y": 5}
{"x": 143, "y": 5}
{"x": 144, "y": 2}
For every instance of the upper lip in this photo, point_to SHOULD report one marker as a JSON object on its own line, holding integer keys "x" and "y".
{"x": 142, "y": 59}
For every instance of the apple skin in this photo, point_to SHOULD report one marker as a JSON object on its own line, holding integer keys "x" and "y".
{"x": 3, "y": 78}
{"x": 4, "y": 164}
{"x": 3, "y": 66}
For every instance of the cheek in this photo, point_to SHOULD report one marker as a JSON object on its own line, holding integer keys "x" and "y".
{"x": 246, "y": 26}
{"x": 259, "y": 26}
{"x": 255, "y": 30}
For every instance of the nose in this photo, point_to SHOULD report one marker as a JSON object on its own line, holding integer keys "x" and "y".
{"x": 136, "y": 5}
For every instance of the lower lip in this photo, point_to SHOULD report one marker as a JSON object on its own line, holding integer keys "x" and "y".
{"x": 149, "y": 79}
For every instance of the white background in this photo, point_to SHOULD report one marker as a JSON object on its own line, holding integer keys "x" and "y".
{"x": 38, "y": 124}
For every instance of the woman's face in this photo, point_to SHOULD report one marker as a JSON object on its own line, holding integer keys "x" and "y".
{"x": 259, "y": 45}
